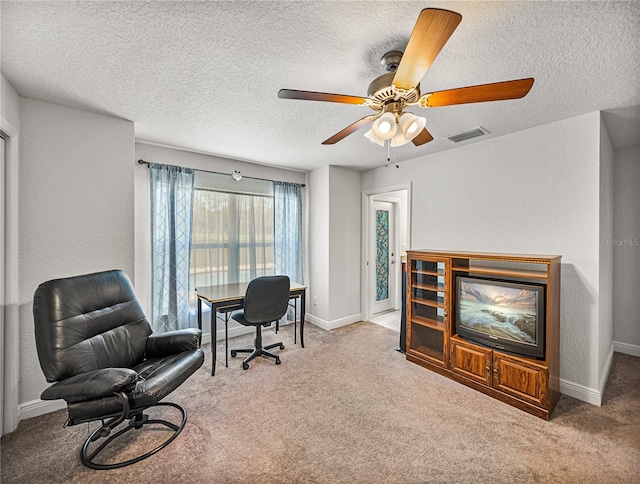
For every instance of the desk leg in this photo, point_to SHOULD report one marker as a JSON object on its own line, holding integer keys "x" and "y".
{"x": 226, "y": 340}
{"x": 295, "y": 318}
{"x": 303, "y": 299}
{"x": 200, "y": 321}
{"x": 214, "y": 332}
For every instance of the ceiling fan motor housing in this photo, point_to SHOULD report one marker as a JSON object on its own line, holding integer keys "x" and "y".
{"x": 383, "y": 91}
{"x": 391, "y": 60}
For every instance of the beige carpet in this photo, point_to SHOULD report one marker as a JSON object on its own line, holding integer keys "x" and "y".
{"x": 348, "y": 408}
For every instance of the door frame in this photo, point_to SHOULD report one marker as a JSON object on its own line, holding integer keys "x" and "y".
{"x": 366, "y": 269}
{"x": 10, "y": 297}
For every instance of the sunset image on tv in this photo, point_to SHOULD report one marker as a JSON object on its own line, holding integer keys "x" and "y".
{"x": 505, "y": 312}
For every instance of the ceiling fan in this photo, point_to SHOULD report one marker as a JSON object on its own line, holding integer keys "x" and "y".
{"x": 390, "y": 93}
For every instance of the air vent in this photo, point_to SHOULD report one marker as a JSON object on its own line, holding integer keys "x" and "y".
{"x": 472, "y": 133}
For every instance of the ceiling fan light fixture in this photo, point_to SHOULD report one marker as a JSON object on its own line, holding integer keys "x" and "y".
{"x": 369, "y": 135}
{"x": 400, "y": 139}
{"x": 385, "y": 126}
{"x": 411, "y": 125}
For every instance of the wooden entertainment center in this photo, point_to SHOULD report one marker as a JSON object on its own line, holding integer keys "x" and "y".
{"x": 528, "y": 383}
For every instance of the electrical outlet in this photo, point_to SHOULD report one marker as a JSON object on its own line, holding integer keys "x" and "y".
{"x": 315, "y": 300}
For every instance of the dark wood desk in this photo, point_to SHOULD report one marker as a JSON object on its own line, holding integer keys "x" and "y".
{"x": 229, "y": 297}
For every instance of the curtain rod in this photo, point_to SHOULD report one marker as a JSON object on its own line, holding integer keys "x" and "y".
{"x": 143, "y": 162}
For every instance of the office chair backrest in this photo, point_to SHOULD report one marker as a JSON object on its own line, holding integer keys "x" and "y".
{"x": 266, "y": 299}
{"x": 88, "y": 322}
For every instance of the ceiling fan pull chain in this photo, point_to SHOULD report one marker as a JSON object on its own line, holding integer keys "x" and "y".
{"x": 388, "y": 152}
{"x": 395, "y": 157}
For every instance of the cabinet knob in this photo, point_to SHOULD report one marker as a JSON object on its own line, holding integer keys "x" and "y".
{"x": 495, "y": 373}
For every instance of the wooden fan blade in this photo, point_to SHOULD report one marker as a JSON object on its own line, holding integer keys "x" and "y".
{"x": 497, "y": 91}
{"x": 350, "y": 129}
{"x": 321, "y": 96}
{"x": 432, "y": 30}
{"x": 422, "y": 138}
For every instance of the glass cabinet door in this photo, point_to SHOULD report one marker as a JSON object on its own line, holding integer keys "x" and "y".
{"x": 427, "y": 301}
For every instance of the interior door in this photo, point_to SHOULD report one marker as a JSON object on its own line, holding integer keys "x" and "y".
{"x": 383, "y": 257}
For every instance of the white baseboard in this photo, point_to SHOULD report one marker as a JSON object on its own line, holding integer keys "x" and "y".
{"x": 581, "y": 392}
{"x": 38, "y": 407}
{"x": 585, "y": 393}
{"x": 626, "y": 348}
{"x": 336, "y": 323}
{"x": 592, "y": 395}
{"x": 604, "y": 376}
{"x": 235, "y": 331}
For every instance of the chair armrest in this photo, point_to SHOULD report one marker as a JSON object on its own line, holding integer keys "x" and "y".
{"x": 172, "y": 342}
{"x": 93, "y": 384}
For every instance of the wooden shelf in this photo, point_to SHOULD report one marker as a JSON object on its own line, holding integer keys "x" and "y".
{"x": 422, "y": 351}
{"x": 428, "y": 273}
{"x": 429, "y": 323}
{"x": 527, "y": 274}
{"x": 427, "y": 302}
{"x": 428, "y": 287}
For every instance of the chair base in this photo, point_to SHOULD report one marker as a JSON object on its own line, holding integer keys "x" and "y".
{"x": 259, "y": 350}
{"x": 136, "y": 422}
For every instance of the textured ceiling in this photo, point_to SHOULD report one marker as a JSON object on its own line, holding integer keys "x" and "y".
{"x": 205, "y": 75}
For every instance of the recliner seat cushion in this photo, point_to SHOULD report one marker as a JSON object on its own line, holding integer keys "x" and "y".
{"x": 157, "y": 377}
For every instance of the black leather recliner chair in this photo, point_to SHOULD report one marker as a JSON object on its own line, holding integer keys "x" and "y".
{"x": 95, "y": 343}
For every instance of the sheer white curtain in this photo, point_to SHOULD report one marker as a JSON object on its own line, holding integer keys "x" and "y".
{"x": 232, "y": 237}
{"x": 288, "y": 233}
{"x": 171, "y": 203}
{"x": 288, "y": 230}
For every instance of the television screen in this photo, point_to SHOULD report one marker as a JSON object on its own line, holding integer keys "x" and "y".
{"x": 500, "y": 310}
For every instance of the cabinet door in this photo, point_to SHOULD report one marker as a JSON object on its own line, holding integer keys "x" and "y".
{"x": 520, "y": 378}
{"x": 471, "y": 361}
{"x": 426, "y": 343}
{"x": 427, "y": 309}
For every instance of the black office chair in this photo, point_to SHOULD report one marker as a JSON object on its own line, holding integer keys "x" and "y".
{"x": 266, "y": 301}
{"x": 95, "y": 343}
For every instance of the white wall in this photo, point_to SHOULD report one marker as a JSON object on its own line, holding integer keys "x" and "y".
{"x": 76, "y": 207}
{"x": 9, "y": 331}
{"x": 605, "y": 260}
{"x": 199, "y": 161}
{"x": 335, "y": 246}
{"x": 344, "y": 244}
{"x": 10, "y": 103}
{"x": 533, "y": 191}
{"x": 626, "y": 251}
{"x": 319, "y": 227}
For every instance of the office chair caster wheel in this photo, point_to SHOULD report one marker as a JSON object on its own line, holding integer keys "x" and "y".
{"x": 281, "y": 346}
{"x": 245, "y": 366}
{"x": 233, "y": 353}
{"x": 278, "y": 361}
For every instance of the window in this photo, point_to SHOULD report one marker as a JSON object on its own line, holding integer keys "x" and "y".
{"x": 232, "y": 237}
